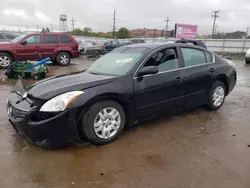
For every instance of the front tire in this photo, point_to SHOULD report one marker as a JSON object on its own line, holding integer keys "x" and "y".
{"x": 5, "y": 60}
{"x": 103, "y": 122}
{"x": 217, "y": 96}
{"x": 63, "y": 59}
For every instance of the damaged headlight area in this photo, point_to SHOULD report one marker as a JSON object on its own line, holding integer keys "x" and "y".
{"x": 60, "y": 102}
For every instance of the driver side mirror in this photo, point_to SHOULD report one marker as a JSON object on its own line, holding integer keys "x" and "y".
{"x": 148, "y": 70}
{"x": 23, "y": 42}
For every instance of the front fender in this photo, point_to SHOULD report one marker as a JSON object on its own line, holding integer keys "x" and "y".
{"x": 93, "y": 95}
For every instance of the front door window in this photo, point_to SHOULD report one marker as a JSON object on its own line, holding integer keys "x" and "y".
{"x": 34, "y": 39}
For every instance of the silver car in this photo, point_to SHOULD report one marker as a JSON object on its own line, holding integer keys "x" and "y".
{"x": 91, "y": 49}
{"x": 7, "y": 37}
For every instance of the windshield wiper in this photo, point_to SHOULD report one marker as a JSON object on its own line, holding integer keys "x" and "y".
{"x": 95, "y": 73}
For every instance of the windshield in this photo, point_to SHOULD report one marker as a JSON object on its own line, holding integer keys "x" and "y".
{"x": 117, "y": 62}
{"x": 18, "y": 38}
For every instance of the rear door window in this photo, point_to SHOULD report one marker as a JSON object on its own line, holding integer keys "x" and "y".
{"x": 65, "y": 39}
{"x": 193, "y": 57}
{"x": 50, "y": 39}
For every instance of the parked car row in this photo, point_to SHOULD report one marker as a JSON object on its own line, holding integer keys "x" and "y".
{"x": 59, "y": 47}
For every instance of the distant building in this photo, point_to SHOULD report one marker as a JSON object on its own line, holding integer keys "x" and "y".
{"x": 150, "y": 33}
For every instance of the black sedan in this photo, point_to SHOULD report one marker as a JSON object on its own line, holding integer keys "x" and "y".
{"x": 128, "y": 84}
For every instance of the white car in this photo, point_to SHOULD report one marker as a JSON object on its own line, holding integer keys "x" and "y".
{"x": 247, "y": 58}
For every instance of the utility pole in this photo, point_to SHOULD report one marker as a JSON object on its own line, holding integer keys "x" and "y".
{"x": 247, "y": 31}
{"x": 114, "y": 23}
{"x": 215, "y": 16}
{"x": 73, "y": 24}
{"x": 215, "y": 28}
{"x": 244, "y": 43}
{"x": 167, "y": 21}
{"x": 51, "y": 27}
{"x": 37, "y": 27}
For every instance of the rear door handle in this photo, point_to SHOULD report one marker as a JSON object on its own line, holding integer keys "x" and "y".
{"x": 212, "y": 70}
{"x": 178, "y": 80}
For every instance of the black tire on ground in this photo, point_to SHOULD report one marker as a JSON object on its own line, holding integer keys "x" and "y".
{"x": 63, "y": 58}
{"x": 42, "y": 75}
{"x": 97, "y": 54}
{"x": 211, "y": 105}
{"x": 19, "y": 75}
{"x": 5, "y": 60}
{"x": 247, "y": 61}
{"x": 89, "y": 116}
{"x": 35, "y": 76}
{"x": 27, "y": 74}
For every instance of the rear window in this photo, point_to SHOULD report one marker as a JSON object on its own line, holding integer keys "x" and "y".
{"x": 50, "y": 39}
{"x": 65, "y": 39}
{"x": 209, "y": 57}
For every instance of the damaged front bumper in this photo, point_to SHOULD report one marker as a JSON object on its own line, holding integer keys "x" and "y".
{"x": 44, "y": 129}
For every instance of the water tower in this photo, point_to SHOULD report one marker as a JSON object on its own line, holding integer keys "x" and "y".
{"x": 63, "y": 25}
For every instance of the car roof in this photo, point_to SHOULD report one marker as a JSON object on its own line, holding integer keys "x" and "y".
{"x": 52, "y": 33}
{"x": 154, "y": 46}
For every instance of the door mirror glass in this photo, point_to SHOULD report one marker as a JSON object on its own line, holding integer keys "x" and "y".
{"x": 24, "y": 42}
{"x": 148, "y": 70}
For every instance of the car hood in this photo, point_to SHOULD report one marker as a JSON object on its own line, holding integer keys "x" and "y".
{"x": 57, "y": 85}
{"x": 6, "y": 43}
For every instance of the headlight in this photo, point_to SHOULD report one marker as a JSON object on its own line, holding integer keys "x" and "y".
{"x": 60, "y": 102}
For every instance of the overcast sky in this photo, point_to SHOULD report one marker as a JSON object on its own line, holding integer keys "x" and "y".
{"x": 98, "y": 14}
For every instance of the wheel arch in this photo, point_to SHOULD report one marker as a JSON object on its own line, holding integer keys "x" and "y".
{"x": 223, "y": 78}
{"x": 65, "y": 51}
{"x": 7, "y": 52}
{"x": 125, "y": 103}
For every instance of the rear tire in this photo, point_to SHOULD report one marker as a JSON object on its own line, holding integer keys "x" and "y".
{"x": 217, "y": 96}
{"x": 247, "y": 61}
{"x": 97, "y": 54}
{"x": 63, "y": 58}
{"x": 103, "y": 122}
{"x": 5, "y": 60}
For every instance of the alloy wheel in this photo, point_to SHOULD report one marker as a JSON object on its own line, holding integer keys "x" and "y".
{"x": 218, "y": 96}
{"x": 5, "y": 61}
{"x": 107, "y": 123}
{"x": 64, "y": 59}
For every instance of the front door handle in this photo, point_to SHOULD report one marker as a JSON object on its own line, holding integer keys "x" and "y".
{"x": 178, "y": 80}
{"x": 212, "y": 70}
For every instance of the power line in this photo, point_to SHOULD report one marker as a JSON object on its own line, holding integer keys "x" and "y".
{"x": 167, "y": 21}
{"x": 114, "y": 23}
{"x": 215, "y": 16}
{"x": 73, "y": 23}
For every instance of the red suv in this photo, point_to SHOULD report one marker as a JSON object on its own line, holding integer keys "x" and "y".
{"x": 59, "y": 47}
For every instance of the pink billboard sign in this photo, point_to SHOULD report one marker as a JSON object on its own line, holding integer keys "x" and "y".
{"x": 186, "y": 31}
